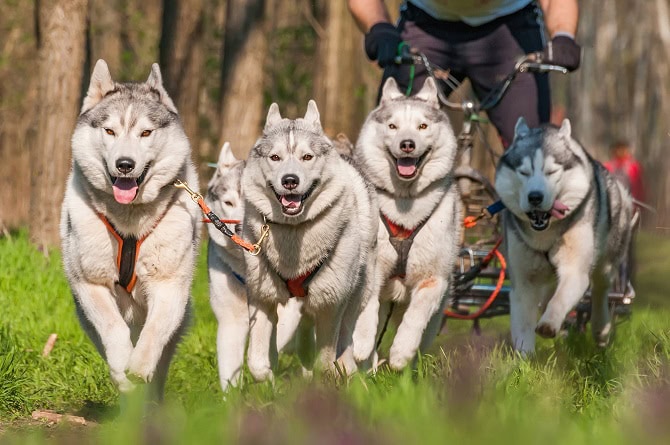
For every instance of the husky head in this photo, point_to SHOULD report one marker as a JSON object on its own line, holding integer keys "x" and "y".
{"x": 224, "y": 192}
{"x": 544, "y": 174}
{"x": 128, "y": 141}
{"x": 406, "y": 143}
{"x": 289, "y": 166}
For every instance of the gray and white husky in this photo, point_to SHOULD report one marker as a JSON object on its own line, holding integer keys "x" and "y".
{"x": 129, "y": 237}
{"x": 406, "y": 149}
{"x": 227, "y": 270}
{"x": 322, "y": 219}
{"x": 567, "y": 223}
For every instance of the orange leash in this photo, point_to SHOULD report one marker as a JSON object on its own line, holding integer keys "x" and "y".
{"x": 494, "y": 294}
{"x": 469, "y": 222}
{"x": 253, "y": 249}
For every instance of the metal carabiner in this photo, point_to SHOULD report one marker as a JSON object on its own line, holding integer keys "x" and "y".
{"x": 195, "y": 196}
{"x": 265, "y": 232}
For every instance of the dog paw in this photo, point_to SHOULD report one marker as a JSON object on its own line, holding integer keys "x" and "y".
{"x": 545, "y": 330}
{"x": 261, "y": 373}
{"x": 123, "y": 383}
{"x": 140, "y": 369}
{"x": 398, "y": 360}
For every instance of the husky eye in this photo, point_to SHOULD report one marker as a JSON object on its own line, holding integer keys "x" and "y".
{"x": 228, "y": 203}
{"x": 524, "y": 172}
{"x": 307, "y": 157}
{"x": 109, "y": 131}
{"x": 392, "y": 126}
{"x": 275, "y": 158}
{"x": 552, "y": 172}
{"x": 423, "y": 126}
{"x": 145, "y": 133}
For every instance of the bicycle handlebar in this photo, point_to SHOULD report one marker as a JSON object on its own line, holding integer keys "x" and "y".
{"x": 532, "y": 62}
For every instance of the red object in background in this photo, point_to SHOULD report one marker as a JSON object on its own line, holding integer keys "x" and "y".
{"x": 628, "y": 170}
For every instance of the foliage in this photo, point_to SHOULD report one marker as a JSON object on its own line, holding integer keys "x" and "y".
{"x": 470, "y": 389}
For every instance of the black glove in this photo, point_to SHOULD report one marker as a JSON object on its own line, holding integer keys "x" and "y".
{"x": 381, "y": 43}
{"x": 563, "y": 51}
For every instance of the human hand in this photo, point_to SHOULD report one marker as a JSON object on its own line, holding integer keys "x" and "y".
{"x": 381, "y": 43}
{"x": 562, "y": 50}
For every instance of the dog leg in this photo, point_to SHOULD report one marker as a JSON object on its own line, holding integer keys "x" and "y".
{"x": 167, "y": 302}
{"x": 573, "y": 263}
{"x": 425, "y": 302}
{"x": 101, "y": 319}
{"x": 157, "y": 386}
{"x": 601, "y": 323}
{"x": 306, "y": 346}
{"x": 228, "y": 299}
{"x": 523, "y": 317}
{"x": 262, "y": 351}
{"x": 327, "y": 322}
{"x": 288, "y": 316}
{"x": 365, "y": 332}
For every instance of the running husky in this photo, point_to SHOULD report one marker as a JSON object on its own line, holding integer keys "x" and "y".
{"x": 129, "y": 237}
{"x": 567, "y": 220}
{"x": 322, "y": 221}
{"x": 226, "y": 266}
{"x": 406, "y": 149}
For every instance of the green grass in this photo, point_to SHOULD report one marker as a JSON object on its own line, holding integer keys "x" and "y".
{"x": 469, "y": 389}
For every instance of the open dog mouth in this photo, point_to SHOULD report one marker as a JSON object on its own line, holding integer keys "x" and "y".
{"x": 293, "y": 203}
{"x": 539, "y": 220}
{"x": 125, "y": 188}
{"x": 408, "y": 167}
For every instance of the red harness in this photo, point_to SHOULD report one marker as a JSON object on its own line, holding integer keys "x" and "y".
{"x": 127, "y": 254}
{"x": 401, "y": 239}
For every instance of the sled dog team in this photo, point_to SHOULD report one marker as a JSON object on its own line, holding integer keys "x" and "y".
{"x": 353, "y": 241}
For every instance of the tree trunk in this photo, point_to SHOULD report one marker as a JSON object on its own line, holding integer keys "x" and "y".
{"x": 61, "y": 56}
{"x": 18, "y": 45}
{"x": 181, "y": 60}
{"x": 243, "y": 75}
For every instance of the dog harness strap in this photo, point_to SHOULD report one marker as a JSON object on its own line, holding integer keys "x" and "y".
{"x": 299, "y": 286}
{"x": 401, "y": 239}
{"x": 126, "y": 257}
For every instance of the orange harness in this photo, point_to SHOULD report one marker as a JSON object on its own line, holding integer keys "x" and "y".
{"x": 298, "y": 287}
{"x": 126, "y": 257}
{"x": 401, "y": 239}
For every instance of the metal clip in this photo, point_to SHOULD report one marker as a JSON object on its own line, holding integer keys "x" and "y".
{"x": 265, "y": 232}
{"x": 195, "y": 196}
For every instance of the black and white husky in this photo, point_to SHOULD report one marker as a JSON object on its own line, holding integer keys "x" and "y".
{"x": 567, "y": 225}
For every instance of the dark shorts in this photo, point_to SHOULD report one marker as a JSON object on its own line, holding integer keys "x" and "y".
{"x": 484, "y": 54}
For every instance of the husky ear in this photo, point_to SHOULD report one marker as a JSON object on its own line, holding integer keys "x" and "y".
{"x": 227, "y": 157}
{"x": 312, "y": 114}
{"x": 521, "y": 128}
{"x": 566, "y": 129}
{"x": 273, "y": 116}
{"x": 429, "y": 93}
{"x": 101, "y": 84}
{"x": 155, "y": 81}
{"x": 390, "y": 90}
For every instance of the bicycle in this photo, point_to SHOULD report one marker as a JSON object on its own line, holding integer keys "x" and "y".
{"x": 480, "y": 289}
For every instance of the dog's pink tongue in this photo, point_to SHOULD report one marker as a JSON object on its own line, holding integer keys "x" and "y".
{"x": 290, "y": 201}
{"x": 406, "y": 166}
{"x": 125, "y": 190}
{"x": 558, "y": 210}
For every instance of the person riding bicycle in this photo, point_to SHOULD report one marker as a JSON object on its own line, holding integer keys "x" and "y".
{"x": 480, "y": 40}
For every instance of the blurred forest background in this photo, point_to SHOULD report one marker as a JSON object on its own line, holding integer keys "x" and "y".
{"x": 224, "y": 62}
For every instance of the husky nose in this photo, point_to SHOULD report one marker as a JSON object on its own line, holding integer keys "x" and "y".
{"x": 535, "y": 198}
{"x": 290, "y": 181}
{"x": 407, "y": 146}
{"x": 125, "y": 165}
